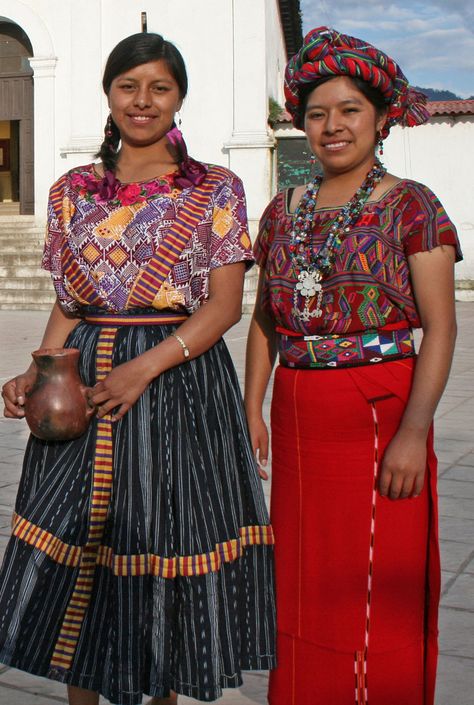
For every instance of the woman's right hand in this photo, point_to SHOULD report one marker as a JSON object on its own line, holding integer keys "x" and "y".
{"x": 259, "y": 439}
{"x": 14, "y": 394}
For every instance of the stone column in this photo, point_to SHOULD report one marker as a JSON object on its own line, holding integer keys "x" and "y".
{"x": 44, "y": 130}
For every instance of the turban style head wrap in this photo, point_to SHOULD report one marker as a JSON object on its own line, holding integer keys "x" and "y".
{"x": 326, "y": 52}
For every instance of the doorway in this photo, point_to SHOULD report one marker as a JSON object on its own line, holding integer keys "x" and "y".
{"x": 16, "y": 121}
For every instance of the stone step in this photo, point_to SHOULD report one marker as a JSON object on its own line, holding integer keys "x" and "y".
{"x": 26, "y": 306}
{"x": 21, "y": 233}
{"x": 12, "y": 218}
{"x": 9, "y": 208}
{"x": 20, "y": 271}
{"x": 33, "y": 283}
{"x": 8, "y": 244}
{"x": 25, "y": 258}
{"x": 18, "y": 233}
{"x": 23, "y": 284}
{"x": 22, "y": 249}
{"x": 25, "y": 297}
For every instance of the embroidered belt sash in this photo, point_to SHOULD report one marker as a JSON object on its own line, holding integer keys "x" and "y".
{"x": 332, "y": 351}
{"x": 135, "y": 319}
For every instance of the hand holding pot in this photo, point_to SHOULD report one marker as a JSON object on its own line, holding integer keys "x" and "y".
{"x": 56, "y": 406}
{"x": 14, "y": 393}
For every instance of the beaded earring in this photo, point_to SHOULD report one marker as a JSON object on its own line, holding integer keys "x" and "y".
{"x": 108, "y": 126}
{"x": 379, "y": 142}
{"x": 109, "y": 132}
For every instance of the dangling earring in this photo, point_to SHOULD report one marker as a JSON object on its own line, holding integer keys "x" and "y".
{"x": 179, "y": 119}
{"x": 379, "y": 142}
{"x": 109, "y": 134}
{"x": 108, "y": 126}
{"x": 312, "y": 165}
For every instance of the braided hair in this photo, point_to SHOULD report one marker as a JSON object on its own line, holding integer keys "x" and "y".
{"x": 108, "y": 152}
{"x": 133, "y": 51}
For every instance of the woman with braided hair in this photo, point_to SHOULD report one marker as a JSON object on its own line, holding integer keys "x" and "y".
{"x": 350, "y": 264}
{"x": 141, "y": 554}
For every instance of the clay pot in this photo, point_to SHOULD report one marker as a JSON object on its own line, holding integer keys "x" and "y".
{"x": 56, "y": 407}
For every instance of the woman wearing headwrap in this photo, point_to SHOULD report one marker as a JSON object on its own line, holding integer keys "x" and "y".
{"x": 350, "y": 264}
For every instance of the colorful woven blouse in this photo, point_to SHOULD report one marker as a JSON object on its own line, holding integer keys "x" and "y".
{"x": 112, "y": 237}
{"x": 369, "y": 286}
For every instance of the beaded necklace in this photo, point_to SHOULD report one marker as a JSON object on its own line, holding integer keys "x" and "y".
{"x": 310, "y": 265}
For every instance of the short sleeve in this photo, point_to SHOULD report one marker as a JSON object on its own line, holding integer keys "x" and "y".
{"x": 59, "y": 206}
{"x": 51, "y": 261}
{"x": 266, "y": 232}
{"x": 230, "y": 239}
{"x": 426, "y": 224}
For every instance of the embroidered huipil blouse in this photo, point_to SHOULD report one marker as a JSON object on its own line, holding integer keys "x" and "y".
{"x": 112, "y": 239}
{"x": 369, "y": 286}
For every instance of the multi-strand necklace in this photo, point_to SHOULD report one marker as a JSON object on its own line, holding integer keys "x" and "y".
{"x": 311, "y": 264}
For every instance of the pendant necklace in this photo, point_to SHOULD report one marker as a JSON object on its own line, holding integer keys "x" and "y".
{"x": 311, "y": 264}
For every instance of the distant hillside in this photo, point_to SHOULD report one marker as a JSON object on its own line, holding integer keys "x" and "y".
{"x": 436, "y": 94}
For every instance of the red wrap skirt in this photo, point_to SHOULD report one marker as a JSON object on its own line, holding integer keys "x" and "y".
{"x": 358, "y": 575}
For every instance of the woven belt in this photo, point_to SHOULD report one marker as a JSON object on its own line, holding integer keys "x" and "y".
{"x": 146, "y": 319}
{"x": 323, "y": 351}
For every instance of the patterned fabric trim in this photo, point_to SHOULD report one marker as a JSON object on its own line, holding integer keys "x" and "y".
{"x": 66, "y": 645}
{"x": 147, "y": 563}
{"x": 360, "y": 668}
{"x": 323, "y": 351}
{"x": 46, "y": 542}
{"x": 189, "y": 566}
{"x": 152, "y": 277}
{"x": 360, "y": 657}
{"x": 145, "y": 320}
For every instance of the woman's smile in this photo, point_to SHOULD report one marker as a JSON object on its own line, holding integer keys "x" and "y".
{"x": 341, "y": 125}
{"x": 333, "y": 146}
{"x": 143, "y": 102}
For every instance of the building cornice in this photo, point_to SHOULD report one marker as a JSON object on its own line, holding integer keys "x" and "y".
{"x": 290, "y": 14}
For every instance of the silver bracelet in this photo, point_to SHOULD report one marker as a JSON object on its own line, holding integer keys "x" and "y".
{"x": 182, "y": 343}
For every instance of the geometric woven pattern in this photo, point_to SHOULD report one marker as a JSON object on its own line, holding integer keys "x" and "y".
{"x": 369, "y": 285}
{"x": 321, "y": 351}
{"x": 112, "y": 243}
{"x": 101, "y": 492}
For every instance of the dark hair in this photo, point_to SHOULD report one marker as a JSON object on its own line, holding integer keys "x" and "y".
{"x": 133, "y": 51}
{"x": 372, "y": 94}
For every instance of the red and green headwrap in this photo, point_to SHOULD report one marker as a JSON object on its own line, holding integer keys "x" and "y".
{"x": 326, "y": 52}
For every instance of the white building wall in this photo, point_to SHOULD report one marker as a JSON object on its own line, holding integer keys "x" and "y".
{"x": 234, "y": 53}
{"x": 275, "y": 52}
{"x": 440, "y": 154}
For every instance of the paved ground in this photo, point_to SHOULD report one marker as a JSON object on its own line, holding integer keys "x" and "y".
{"x": 20, "y": 333}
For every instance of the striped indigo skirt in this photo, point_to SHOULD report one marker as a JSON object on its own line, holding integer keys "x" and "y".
{"x": 141, "y": 554}
{"x": 357, "y": 574}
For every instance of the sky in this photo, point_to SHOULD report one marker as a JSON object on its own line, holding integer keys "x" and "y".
{"x": 432, "y": 41}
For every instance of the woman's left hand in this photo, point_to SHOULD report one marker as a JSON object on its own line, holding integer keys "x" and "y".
{"x": 403, "y": 466}
{"x": 120, "y": 389}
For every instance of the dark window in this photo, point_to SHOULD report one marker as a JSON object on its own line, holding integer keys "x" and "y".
{"x": 293, "y": 162}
